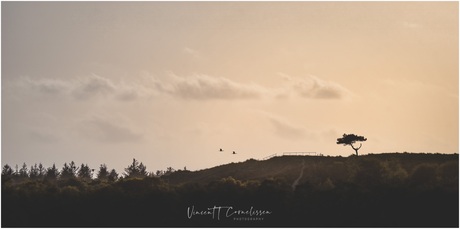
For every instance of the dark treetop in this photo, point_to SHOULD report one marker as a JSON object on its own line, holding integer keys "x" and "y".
{"x": 350, "y": 139}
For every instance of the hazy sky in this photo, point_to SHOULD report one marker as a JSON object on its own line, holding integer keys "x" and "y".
{"x": 169, "y": 83}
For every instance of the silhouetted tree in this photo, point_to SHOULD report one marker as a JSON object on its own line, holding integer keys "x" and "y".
{"x": 169, "y": 170}
{"x": 7, "y": 171}
{"x": 52, "y": 173}
{"x": 143, "y": 170}
{"x": 136, "y": 169}
{"x": 16, "y": 171}
{"x": 23, "y": 172}
{"x": 85, "y": 173}
{"x": 69, "y": 171}
{"x": 33, "y": 172}
{"x": 37, "y": 172}
{"x": 113, "y": 176}
{"x": 159, "y": 173}
{"x": 103, "y": 173}
{"x": 41, "y": 170}
{"x": 350, "y": 139}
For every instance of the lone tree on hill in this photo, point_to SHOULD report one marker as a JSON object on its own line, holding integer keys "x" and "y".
{"x": 350, "y": 139}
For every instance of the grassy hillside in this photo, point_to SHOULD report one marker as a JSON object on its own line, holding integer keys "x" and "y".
{"x": 381, "y": 190}
{"x": 318, "y": 168}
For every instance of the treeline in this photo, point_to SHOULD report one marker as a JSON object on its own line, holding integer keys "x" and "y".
{"x": 84, "y": 172}
{"x": 368, "y": 191}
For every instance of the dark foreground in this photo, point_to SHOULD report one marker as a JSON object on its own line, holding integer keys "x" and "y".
{"x": 394, "y": 190}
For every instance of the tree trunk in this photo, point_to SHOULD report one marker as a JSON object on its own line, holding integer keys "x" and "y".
{"x": 356, "y": 149}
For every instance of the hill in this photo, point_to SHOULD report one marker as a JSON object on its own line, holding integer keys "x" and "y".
{"x": 339, "y": 168}
{"x": 377, "y": 190}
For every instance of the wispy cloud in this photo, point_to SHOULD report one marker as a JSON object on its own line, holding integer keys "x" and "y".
{"x": 105, "y": 130}
{"x": 284, "y": 128}
{"x": 313, "y": 87}
{"x": 81, "y": 88}
{"x": 43, "y": 86}
{"x": 204, "y": 87}
{"x": 191, "y": 87}
{"x": 92, "y": 86}
{"x": 192, "y": 52}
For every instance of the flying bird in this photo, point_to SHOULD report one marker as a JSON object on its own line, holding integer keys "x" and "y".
{"x": 234, "y": 152}
{"x": 220, "y": 150}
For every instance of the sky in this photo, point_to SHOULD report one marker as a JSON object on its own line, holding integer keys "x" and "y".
{"x": 170, "y": 83}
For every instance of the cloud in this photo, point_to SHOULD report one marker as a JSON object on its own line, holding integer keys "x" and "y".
{"x": 315, "y": 88}
{"x": 193, "y": 87}
{"x": 93, "y": 85}
{"x": 81, "y": 88}
{"x": 285, "y": 129}
{"x": 288, "y": 130}
{"x": 43, "y": 86}
{"x": 204, "y": 87}
{"x": 192, "y": 52}
{"x": 107, "y": 131}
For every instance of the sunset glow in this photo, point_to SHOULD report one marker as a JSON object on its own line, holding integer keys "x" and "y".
{"x": 170, "y": 83}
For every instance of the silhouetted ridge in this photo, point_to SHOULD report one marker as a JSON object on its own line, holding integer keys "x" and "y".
{"x": 376, "y": 190}
{"x": 287, "y": 167}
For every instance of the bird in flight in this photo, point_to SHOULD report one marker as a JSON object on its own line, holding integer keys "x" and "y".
{"x": 234, "y": 152}
{"x": 221, "y": 150}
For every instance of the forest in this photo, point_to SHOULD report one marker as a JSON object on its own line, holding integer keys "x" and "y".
{"x": 375, "y": 190}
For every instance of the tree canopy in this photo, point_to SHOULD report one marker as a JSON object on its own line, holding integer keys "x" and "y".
{"x": 350, "y": 139}
{"x": 136, "y": 170}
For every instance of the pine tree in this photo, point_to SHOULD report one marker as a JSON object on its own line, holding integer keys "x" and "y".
{"x": 136, "y": 170}
{"x": 85, "y": 173}
{"x": 23, "y": 172}
{"x": 69, "y": 171}
{"x": 16, "y": 171}
{"x": 143, "y": 170}
{"x": 41, "y": 171}
{"x": 7, "y": 171}
{"x": 103, "y": 173}
{"x": 33, "y": 172}
{"x": 113, "y": 176}
{"x": 52, "y": 173}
